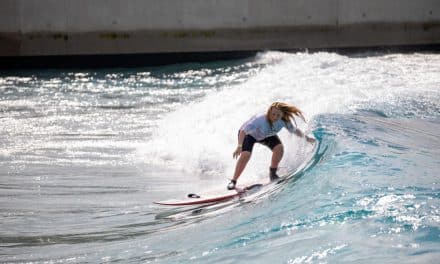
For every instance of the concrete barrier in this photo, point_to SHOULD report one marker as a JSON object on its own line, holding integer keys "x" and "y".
{"x": 86, "y": 27}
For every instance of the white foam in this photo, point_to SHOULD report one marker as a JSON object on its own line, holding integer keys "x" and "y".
{"x": 200, "y": 136}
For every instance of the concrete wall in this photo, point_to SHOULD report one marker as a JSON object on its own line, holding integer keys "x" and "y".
{"x": 73, "y": 27}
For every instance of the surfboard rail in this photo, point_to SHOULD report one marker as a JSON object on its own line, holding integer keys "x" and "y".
{"x": 197, "y": 199}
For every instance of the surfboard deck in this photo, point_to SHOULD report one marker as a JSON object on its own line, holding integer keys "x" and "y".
{"x": 215, "y": 196}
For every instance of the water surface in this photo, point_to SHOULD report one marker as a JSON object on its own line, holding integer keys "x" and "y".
{"x": 84, "y": 153}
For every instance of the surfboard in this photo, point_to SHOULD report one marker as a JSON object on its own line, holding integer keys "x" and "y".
{"x": 211, "y": 197}
{"x": 214, "y": 196}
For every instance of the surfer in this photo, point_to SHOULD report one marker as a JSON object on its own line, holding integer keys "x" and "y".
{"x": 263, "y": 129}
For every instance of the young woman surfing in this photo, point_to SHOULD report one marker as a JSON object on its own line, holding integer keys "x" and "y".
{"x": 263, "y": 129}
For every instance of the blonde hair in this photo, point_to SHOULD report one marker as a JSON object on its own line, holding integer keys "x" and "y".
{"x": 289, "y": 112}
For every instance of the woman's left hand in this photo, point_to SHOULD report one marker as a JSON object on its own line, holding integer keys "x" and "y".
{"x": 310, "y": 139}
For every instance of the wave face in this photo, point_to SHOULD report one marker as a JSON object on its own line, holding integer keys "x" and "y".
{"x": 85, "y": 153}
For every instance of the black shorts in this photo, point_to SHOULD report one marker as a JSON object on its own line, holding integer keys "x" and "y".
{"x": 270, "y": 142}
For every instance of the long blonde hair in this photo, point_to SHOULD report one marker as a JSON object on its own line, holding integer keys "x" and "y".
{"x": 289, "y": 112}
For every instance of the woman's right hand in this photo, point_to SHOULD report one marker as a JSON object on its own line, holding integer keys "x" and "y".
{"x": 237, "y": 152}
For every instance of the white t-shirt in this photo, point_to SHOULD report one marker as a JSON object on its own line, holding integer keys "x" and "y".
{"x": 259, "y": 127}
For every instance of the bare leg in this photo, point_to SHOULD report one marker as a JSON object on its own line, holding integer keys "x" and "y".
{"x": 245, "y": 156}
{"x": 277, "y": 155}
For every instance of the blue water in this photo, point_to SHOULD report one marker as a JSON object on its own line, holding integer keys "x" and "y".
{"x": 84, "y": 153}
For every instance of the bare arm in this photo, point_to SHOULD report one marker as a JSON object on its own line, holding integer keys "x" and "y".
{"x": 238, "y": 150}
{"x": 299, "y": 133}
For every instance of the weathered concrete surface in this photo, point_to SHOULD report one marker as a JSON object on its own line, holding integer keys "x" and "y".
{"x": 68, "y": 27}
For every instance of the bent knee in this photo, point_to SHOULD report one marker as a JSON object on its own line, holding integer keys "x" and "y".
{"x": 246, "y": 154}
{"x": 278, "y": 147}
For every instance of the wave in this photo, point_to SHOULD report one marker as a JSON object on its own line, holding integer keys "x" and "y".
{"x": 198, "y": 137}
